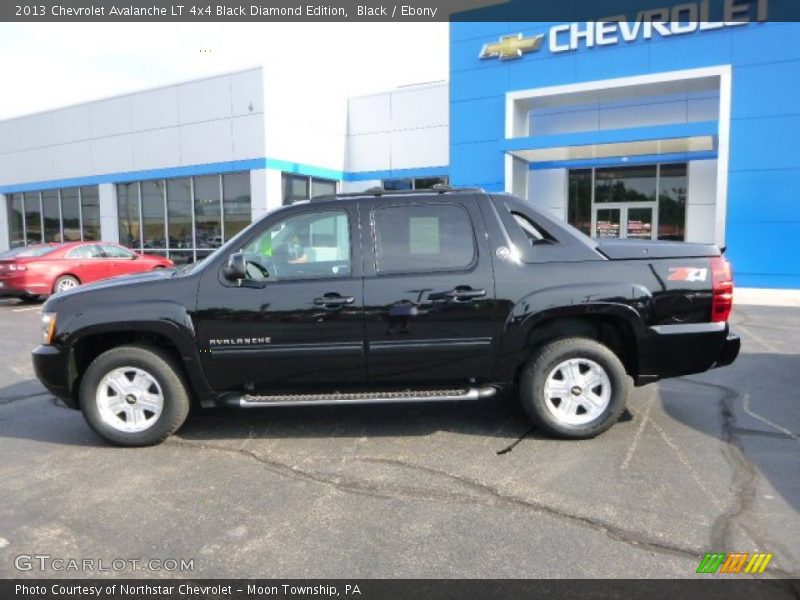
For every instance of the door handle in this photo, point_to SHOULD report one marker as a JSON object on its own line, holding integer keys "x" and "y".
{"x": 331, "y": 301}
{"x": 461, "y": 294}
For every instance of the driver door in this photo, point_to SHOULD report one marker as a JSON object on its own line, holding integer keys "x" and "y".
{"x": 296, "y": 321}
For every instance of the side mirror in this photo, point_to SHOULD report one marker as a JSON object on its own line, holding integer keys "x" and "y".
{"x": 236, "y": 267}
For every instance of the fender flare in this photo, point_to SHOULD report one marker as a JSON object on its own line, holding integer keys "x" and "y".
{"x": 161, "y": 317}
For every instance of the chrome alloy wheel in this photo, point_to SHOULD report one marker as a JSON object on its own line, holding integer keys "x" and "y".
{"x": 577, "y": 391}
{"x": 66, "y": 284}
{"x": 129, "y": 399}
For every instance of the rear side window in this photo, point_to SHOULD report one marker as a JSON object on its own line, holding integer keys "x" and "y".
{"x": 85, "y": 252}
{"x": 423, "y": 237}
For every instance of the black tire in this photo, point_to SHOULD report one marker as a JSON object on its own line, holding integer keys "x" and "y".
{"x": 166, "y": 373}
{"x": 70, "y": 280}
{"x": 543, "y": 412}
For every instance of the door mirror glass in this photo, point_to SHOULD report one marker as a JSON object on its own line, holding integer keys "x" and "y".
{"x": 236, "y": 267}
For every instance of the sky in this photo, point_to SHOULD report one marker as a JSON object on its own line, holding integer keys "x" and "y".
{"x": 49, "y": 65}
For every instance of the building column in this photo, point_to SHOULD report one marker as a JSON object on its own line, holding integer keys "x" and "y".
{"x": 516, "y": 176}
{"x": 109, "y": 219}
{"x": 274, "y": 189}
{"x": 4, "y": 233}
{"x": 258, "y": 194}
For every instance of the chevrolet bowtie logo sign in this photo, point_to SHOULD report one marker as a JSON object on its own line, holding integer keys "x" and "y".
{"x": 512, "y": 46}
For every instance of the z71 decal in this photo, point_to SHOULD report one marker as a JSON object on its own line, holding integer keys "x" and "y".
{"x": 687, "y": 274}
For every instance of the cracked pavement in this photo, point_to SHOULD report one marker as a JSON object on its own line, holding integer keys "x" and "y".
{"x": 704, "y": 463}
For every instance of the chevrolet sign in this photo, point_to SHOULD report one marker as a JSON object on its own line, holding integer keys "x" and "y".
{"x": 512, "y": 46}
{"x": 664, "y": 22}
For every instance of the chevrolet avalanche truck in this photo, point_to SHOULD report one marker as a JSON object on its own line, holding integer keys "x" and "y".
{"x": 444, "y": 295}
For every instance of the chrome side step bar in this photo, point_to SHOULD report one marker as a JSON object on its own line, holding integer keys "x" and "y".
{"x": 451, "y": 395}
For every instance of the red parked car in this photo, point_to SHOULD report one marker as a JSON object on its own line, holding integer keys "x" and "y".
{"x": 46, "y": 269}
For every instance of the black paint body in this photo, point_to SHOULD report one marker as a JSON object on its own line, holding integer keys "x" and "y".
{"x": 428, "y": 328}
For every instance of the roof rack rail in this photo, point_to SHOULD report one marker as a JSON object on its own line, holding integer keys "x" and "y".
{"x": 439, "y": 188}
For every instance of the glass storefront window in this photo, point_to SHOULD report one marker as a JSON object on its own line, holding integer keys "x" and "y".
{"x": 183, "y": 218}
{"x": 128, "y": 213}
{"x": 616, "y": 197}
{"x": 90, "y": 212}
{"x": 207, "y": 214}
{"x": 153, "y": 217}
{"x": 16, "y": 221}
{"x": 236, "y": 203}
{"x": 303, "y": 187}
{"x": 398, "y": 184}
{"x": 51, "y": 216}
{"x": 640, "y": 224}
{"x": 672, "y": 202}
{"x": 322, "y": 187}
{"x": 33, "y": 218}
{"x": 67, "y": 214}
{"x": 579, "y": 202}
{"x": 608, "y": 223}
{"x": 295, "y": 187}
{"x": 71, "y": 215}
{"x": 179, "y": 213}
{"x": 419, "y": 183}
{"x": 625, "y": 184}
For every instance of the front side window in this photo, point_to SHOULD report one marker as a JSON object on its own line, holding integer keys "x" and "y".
{"x": 311, "y": 245}
{"x": 421, "y": 237}
{"x": 112, "y": 251}
{"x": 91, "y": 251}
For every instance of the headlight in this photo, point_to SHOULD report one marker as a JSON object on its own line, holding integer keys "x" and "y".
{"x": 48, "y": 327}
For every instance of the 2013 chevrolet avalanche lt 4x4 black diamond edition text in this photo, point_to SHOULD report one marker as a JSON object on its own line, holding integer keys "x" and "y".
{"x": 391, "y": 297}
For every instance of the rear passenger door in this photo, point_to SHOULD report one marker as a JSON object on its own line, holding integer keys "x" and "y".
{"x": 428, "y": 290}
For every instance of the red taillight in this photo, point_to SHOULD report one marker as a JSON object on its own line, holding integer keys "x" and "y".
{"x": 722, "y": 290}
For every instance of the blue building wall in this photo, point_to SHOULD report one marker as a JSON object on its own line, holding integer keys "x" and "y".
{"x": 763, "y": 209}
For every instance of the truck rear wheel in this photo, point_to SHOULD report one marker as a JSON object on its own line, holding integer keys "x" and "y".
{"x": 134, "y": 396}
{"x": 574, "y": 388}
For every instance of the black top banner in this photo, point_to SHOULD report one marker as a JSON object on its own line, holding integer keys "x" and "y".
{"x": 406, "y": 11}
{"x": 398, "y": 589}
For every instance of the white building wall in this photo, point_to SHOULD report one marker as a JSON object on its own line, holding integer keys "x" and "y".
{"x": 403, "y": 129}
{"x": 215, "y": 119}
{"x": 260, "y": 193}
{"x": 701, "y": 202}
{"x": 642, "y": 111}
{"x": 304, "y": 125}
{"x": 547, "y": 190}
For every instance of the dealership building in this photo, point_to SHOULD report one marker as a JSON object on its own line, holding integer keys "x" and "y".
{"x": 680, "y": 131}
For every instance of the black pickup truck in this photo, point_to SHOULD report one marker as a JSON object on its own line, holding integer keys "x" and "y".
{"x": 391, "y": 297}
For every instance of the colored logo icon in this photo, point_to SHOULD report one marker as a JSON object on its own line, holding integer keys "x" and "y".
{"x": 734, "y": 562}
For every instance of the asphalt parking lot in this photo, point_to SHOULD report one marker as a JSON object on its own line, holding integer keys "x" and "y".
{"x": 698, "y": 464}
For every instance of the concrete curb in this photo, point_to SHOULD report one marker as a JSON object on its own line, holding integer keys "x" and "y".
{"x": 766, "y": 297}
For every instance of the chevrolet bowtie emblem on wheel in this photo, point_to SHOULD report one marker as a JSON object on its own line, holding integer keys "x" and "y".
{"x": 512, "y": 46}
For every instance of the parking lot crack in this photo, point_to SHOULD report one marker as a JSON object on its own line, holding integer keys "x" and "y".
{"x": 472, "y": 491}
{"x": 743, "y": 483}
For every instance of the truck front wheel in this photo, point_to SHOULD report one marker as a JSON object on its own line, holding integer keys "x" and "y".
{"x": 134, "y": 396}
{"x": 574, "y": 388}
